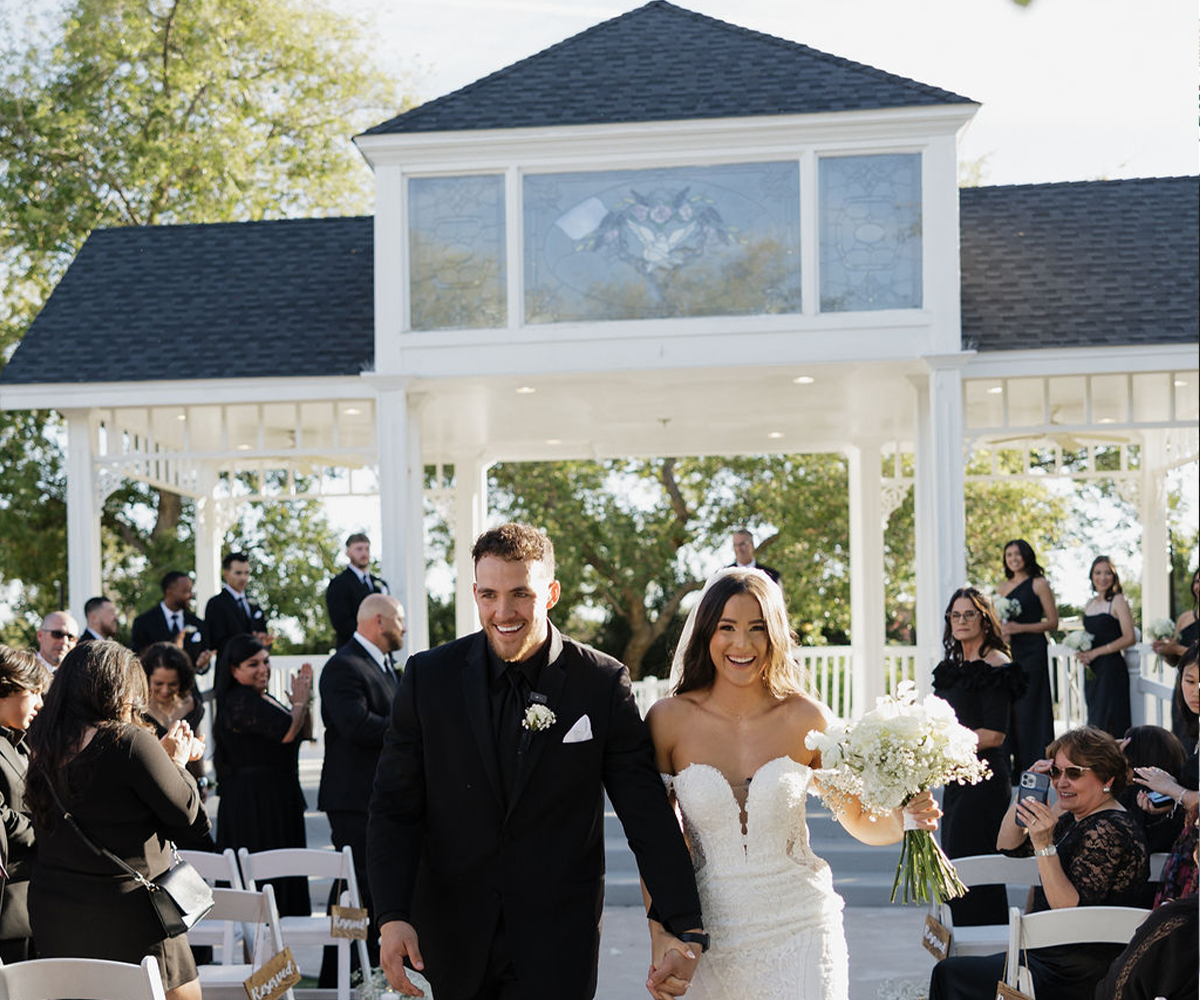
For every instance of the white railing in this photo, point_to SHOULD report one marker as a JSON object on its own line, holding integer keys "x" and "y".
{"x": 1151, "y": 688}
{"x": 828, "y": 677}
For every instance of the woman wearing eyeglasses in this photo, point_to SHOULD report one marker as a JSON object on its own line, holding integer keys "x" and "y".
{"x": 1089, "y": 852}
{"x": 1033, "y": 713}
{"x": 980, "y": 682}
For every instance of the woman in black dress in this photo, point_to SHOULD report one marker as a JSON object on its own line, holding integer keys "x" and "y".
{"x": 1109, "y": 621}
{"x": 256, "y": 752}
{"x": 980, "y": 683}
{"x": 1187, "y": 630}
{"x": 1032, "y": 725}
{"x": 129, "y": 793}
{"x": 1089, "y": 853}
{"x": 23, "y": 680}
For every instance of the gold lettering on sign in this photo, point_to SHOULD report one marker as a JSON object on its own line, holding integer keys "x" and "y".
{"x": 275, "y": 977}
{"x": 348, "y": 922}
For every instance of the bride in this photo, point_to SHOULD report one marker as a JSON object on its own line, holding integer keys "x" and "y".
{"x": 730, "y": 744}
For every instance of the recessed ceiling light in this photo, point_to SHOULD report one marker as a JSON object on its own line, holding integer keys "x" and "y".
{"x": 775, "y": 434}
{"x": 352, "y": 411}
{"x": 1180, "y": 383}
{"x": 181, "y": 416}
{"x": 995, "y": 390}
{"x": 243, "y": 447}
{"x": 526, "y": 390}
{"x": 804, "y": 380}
{"x": 1105, "y": 420}
{"x": 553, "y": 440}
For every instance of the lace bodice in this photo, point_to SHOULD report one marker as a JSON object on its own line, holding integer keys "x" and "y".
{"x": 768, "y": 901}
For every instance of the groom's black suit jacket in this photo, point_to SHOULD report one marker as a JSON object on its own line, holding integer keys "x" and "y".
{"x": 446, "y": 853}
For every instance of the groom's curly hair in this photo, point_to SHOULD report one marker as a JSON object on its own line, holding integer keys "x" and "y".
{"x": 516, "y": 543}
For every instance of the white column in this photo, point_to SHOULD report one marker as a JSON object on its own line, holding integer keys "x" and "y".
{"x": 470, "y": 519}
{"x": 866, "y": 575}
{"x": 940, "y": 520}
{"x": 210, "y": 535}
{"x": 83, "y": 513}
{"x": 402, "y": 547}
{"x": 1156, "y": 559}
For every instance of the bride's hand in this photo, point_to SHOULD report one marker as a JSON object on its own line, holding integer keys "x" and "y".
{"x": 924, "y": 811}
{"x": 673, "y": 964}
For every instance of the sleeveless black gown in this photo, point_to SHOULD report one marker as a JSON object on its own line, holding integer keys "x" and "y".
{"x": 1031, "y": 728}
{"x": 1107, "y": 690}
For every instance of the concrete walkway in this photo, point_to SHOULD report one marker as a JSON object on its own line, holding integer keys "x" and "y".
{"x": 884, "y": 941}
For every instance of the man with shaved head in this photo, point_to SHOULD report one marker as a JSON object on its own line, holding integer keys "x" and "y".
{"x": 357, "y": 686}
{"x": 56, "y": 638}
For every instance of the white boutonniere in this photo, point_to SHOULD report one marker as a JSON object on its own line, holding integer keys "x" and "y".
{"x": 189, "y": 629}
{"x": 538, "y": 718}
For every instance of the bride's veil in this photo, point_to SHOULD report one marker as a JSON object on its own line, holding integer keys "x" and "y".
{"x": 689, "y": 626}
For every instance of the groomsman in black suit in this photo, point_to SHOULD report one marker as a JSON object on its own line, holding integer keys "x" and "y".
{"x": 485, "y": 844}
{"x": 743, "y": 555}
{"x": 358, "y": 684}
{"x": 172, "y": 618}
{"x": 101, "y": 618}
{"x": 230, "y": 612}
{"x": 347, "y": 590}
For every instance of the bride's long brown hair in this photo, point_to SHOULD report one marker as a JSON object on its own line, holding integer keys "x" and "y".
{"x": 782, "y": 675}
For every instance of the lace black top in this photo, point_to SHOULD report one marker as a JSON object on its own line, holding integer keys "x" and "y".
{"x": 1103, "y": 855}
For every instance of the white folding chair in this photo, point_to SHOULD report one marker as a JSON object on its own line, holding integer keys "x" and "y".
{"x": 83, "y": 978}
{"x": 212, "y": 931}
{"x": 250, "y": 908}
{"x": 1070, "y": 925}
{"x": 315, "y": 928}
{"x": 986, "y": 869}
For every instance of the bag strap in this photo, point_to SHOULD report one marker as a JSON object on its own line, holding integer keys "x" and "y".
{"x": 97, "y": 849}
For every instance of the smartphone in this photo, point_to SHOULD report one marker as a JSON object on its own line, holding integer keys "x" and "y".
{"x": 1032, "y": 786}
{"x": 1159, "y": 799}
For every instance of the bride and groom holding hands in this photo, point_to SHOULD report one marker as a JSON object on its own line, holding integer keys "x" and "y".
{"x": 485, "y": 845}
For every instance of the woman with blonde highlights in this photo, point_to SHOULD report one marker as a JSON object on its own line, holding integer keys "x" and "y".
{"x": 730, "y": 744}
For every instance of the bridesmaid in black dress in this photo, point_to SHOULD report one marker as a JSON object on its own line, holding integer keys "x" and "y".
{"x": 256, "y": 753}
{"x": 981, "y": 683}
{"x": 1110, "y": 622}
{"x": 1032, "y": 725}
{"x": 1187, "y": 629}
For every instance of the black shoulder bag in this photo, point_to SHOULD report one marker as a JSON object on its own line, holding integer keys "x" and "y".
{"x": 180, "y": 897}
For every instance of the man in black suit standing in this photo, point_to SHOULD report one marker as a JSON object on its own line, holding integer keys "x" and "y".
{"x": 101, "y": 617}
{"x": 171, "y": 619}
{"x": 347, "y": 590}
{"x": 230, "y": 612}
{"x": 743, "y": 555}
{"x": 358, "y": 684}
{"x": 485, "y": 844}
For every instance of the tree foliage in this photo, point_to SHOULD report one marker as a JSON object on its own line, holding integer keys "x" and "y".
{"x": 147, "y": 112}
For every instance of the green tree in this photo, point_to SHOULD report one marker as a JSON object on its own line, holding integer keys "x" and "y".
{"x": 146, "y": 113}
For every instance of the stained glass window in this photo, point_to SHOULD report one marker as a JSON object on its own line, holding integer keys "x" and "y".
{"x": 456, "y": 252}
{"x": 646, "y": 244}
{"x": 870, "y": 210}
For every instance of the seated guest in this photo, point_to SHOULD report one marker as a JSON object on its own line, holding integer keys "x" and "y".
{"x": 1089, "y": 852}
{"x": 1179, "y": 874}
{"x": 256, "y": 753}
{"x": 1160, "y": 749}
{"x": 981, "y": 684}
{"x": 101, "y": 618}
{"x": 56, "y": 638}
{"x": 23, "y": 679}
{"x": 172, "y": 620}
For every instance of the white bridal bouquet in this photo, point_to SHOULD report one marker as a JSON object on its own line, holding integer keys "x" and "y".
{"x": 1006, "y": 607}
{"x": 1081, "y": 641}
{"x": 899, "y": 749}
{"x": 1161, "y": 628}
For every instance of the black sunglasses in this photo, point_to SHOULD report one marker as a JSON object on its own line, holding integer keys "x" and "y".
{"x": 59, "y": 633}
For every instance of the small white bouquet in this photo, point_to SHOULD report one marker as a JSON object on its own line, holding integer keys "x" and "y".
{"x": 1161, "y": 628}
{"x": 1007, "y": 608}
{"x": 899, "y": 749}
{"x": 1081, "y": 641}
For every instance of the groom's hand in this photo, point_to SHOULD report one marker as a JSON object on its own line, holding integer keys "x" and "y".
{"x": 674, "y": 963}
{"x": 398, "y": 941}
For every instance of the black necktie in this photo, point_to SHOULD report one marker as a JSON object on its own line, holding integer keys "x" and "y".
{"x": 245, "y": 607}
{"x": 176, "y": 624}
{"x": 508, "y": 726}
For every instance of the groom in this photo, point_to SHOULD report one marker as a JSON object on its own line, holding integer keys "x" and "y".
{"x": 485, "y": 845}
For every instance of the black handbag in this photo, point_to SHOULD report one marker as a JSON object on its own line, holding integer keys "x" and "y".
{"x": 180, "y": 896}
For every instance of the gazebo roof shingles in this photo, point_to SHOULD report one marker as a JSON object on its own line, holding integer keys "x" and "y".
{"x": 660, "y": 62}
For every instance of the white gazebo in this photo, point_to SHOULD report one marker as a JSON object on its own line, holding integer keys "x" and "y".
{"x": 584, "y": 256}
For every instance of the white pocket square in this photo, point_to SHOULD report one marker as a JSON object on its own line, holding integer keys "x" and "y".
{"x": 581, "y": 732}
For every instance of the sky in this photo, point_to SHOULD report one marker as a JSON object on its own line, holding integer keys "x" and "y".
{"x": 1070, "y": 89}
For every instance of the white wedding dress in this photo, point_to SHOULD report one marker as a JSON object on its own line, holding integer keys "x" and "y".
{"x": 768, "y": 902}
